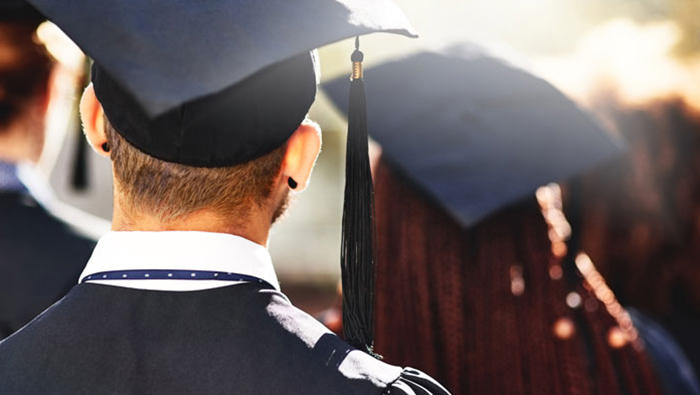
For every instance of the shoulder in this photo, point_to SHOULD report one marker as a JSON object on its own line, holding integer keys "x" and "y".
{"x": 349, "y": 365}
{"x": 23, "y": 216}
{"x": 39, "y": 256}
{"x": 253, "y": 334}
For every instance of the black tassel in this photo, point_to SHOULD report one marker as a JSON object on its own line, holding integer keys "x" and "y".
{"x": 79, "y": 176}
{"x": 357, "y": 244}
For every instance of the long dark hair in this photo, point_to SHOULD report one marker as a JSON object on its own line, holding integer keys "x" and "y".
{"x": 484, "y": 310}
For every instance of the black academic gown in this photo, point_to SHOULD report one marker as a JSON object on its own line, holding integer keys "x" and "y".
{"x": 240, "y": 339}
{"x": 40, "y": 259}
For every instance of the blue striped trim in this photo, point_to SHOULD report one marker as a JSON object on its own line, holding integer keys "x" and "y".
{"x": 173, "y": 275}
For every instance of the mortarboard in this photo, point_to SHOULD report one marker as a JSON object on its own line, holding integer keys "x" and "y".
{"x": 478, "y": 133}
{"x": 173, "y": 76}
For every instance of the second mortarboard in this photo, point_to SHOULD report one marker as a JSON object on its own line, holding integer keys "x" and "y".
{"x": 176, "y": 76}
{"x": 478, "y": 134}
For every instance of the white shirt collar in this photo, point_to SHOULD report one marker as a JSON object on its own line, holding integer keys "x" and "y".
{"x": 220, "y": 252}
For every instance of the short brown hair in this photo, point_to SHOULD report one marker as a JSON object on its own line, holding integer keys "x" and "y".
{"x": 169, "y": 190}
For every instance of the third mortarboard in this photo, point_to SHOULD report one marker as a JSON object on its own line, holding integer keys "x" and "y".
{"x": 221, "y": 82}
{"x": 475, "y": 133}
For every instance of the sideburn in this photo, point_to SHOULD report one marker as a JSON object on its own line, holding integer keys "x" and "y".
{"x": 282, "y": 205}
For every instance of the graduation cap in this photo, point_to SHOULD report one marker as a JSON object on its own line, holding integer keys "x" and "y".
{"x": 175, "y": 76}
{"x": 475, "y": 133}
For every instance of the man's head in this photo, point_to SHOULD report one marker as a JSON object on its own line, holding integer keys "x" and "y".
{"x": 169, "y": 193}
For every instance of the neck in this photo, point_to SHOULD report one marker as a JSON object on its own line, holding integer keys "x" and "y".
{"x": 255, "y": 228}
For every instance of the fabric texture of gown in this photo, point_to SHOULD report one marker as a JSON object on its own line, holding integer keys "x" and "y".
{"x": 242, "y": 339}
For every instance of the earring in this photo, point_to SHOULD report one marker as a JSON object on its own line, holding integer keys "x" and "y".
{"x": 105, "y": 147}
{"x": 292, "y": 183}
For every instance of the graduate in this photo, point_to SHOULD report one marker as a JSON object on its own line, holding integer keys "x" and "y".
{"x": 40, "y": 256}
{"x": 201, "y": 107}
{"x": 471, "y": 250}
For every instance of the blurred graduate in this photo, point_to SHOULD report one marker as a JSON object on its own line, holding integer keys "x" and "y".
{"x": 40, "y": 256}
{"x": 201, "y": 106}
{"x": 467, "y": 247}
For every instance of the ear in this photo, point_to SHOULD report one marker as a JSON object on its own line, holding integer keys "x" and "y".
{"x": 303, "y": 148}
{"x": 92, "y": 116}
